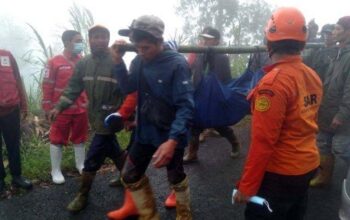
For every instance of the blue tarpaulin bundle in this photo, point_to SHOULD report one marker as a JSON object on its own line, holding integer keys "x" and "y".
{"x": 218, "y": 104}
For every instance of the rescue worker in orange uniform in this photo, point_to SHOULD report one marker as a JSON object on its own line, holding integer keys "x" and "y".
{"x": 72, "y": 123}
{"x": 283, "y": 156}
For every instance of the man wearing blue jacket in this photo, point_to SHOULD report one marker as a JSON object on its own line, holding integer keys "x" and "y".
{"x": 165, "y": 107}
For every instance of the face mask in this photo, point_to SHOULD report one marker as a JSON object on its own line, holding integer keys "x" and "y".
{"x": 78, "y": 48}
{"x": 254, "y": 199}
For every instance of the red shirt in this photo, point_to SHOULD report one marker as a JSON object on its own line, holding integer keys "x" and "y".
{"x": 58, "y": 73}
{"x": 12, "y": 91}
{"x": 129, "y": 106}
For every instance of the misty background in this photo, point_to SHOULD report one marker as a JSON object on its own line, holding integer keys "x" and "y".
{"x": 32, "y": 30}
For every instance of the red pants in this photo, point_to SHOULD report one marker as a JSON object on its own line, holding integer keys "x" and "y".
{"x": 73, "y": 128}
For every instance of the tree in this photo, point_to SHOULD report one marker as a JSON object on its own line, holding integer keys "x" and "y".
{"x": 248, "y": 27}
{"x": 179, "y": 38}
{"x": 240, "y": 23}
{"x": 201, "y": 13}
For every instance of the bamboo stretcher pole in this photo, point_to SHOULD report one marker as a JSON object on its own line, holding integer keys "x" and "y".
{"x": 221, "y": 49}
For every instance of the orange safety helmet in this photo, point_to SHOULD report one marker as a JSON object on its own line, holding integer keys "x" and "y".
{"x": 286, "y": 23}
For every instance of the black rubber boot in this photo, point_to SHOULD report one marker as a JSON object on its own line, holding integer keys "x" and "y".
{"x": 21, "y": 182}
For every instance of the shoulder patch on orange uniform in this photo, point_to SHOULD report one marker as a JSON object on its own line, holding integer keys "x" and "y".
{"x": 268, "y": 92}
{"x": 262, "y": 103}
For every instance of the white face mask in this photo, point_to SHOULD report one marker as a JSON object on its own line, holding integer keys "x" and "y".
{"x": 77, "y": 48}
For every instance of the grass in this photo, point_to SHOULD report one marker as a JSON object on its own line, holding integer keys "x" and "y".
{"x": 35, "y": 151}
{"x": 35, "y": 155}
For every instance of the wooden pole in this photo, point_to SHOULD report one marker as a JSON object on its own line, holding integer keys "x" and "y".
{"x": 220, "y": 49}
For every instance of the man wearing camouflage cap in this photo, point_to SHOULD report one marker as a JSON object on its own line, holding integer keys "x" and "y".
{"x": 334, "y": 115}
{"x": 165, "y": 106}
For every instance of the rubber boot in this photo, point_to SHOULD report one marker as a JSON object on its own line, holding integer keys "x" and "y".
{"x": 81, "y": 199}
{"x": 119, "y": 162}
{"x": 324, "y": 176}
{"x": 128, "y": 209}
{"x": 236, "y": 149}
{"x": 229, "y": 134}
{"x": 79, "y": 153}
{"x": 21, "y": 182}
{"x": 56, "y": 158}
{"x": 203, "y": 135}
{"x": 142, "y": 195}
{"x": 115, "y": 182}
{"x": 170, "y": 201}
{"x": 182, "y": 193}
{"x": 210, "y": 132}
{"x": 191, "y": 155}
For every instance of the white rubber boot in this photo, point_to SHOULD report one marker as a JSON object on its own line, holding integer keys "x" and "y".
{"x": 56, "y": 158}
{"x": 79, "y": 151}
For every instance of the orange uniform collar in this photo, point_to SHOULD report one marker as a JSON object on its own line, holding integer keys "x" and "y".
{"x": 286, "y": 59}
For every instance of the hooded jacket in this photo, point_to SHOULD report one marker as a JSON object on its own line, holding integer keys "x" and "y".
{"x": 168, "y": 76}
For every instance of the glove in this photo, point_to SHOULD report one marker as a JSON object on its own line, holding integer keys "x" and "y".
{"x": 114, "y": 121}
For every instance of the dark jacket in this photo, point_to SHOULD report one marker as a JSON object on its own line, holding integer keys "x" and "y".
{"x": 168, "y": 76}
{"x": 95, "y": 76}
{"x": 218, "y": 64}
{"x": 336, "y": 100}
{"x": 258, "y": 60}
{"x": 321, "y": 60}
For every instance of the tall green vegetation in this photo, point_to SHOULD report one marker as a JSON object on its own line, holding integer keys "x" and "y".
{"x": 37, "y": 58}
{"x": 81, "y": 19}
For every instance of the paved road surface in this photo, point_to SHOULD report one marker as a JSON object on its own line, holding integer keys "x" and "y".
{"x": 211, "y": 183}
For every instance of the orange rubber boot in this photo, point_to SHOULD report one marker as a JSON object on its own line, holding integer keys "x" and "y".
{"x": 128, "y": 208}
{"x": 170, "y": 202}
